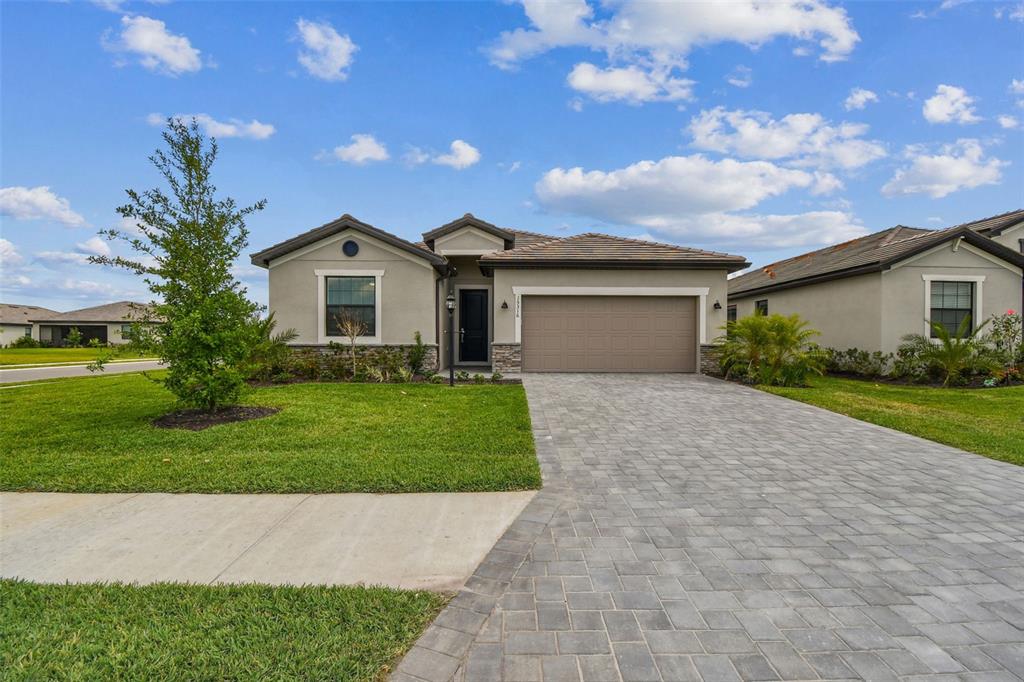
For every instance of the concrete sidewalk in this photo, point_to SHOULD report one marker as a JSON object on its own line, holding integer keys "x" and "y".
{"x": 16, "y": 375}
{"x": 424, "y": 541}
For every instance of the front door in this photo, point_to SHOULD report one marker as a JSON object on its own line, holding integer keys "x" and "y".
{"x": 473, "y": 325}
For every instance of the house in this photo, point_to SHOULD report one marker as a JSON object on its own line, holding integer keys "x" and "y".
{"x": 870, "y": 292}
{"x": 522, "y": 300}
{"x": 108, "y": 323}
{"x": 16, "y": 321}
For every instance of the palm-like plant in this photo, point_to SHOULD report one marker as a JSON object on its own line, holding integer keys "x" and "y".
{"x": 773, "y": 349}
{"x": 952, "y": 353}
{"x": 269, "y": 350}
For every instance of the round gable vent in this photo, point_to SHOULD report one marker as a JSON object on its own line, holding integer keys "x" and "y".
{"x": 350, "y": 248}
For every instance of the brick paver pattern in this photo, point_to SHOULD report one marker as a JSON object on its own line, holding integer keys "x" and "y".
{"x": 701, "y": 530}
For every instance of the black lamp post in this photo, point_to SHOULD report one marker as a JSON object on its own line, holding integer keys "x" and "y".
{"x": 450, "y": 302}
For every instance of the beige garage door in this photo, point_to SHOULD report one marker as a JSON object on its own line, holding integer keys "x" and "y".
{"x": 609, "y": 333}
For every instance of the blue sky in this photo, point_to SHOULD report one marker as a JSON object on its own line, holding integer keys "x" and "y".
{"x": 763, "y": 130}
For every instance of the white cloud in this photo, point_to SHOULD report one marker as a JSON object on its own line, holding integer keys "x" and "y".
{"x": 1017, "y": 86}
{"x": 461, "y": 155}
{"x": 94, "y": 246}
{"x": 1014, "y": 12}
{"x": 233, "y": 127}
{"x": 83, "y": 288}
{"x": 415, "y": 156}
{"x": 957, "y": 166}
{"x": 157, "y": 49}
{"x": 37, "y": 203}
{"x": 576, "y": 104}
{"x": 629, "y": 84}
{"x": 949, "y": 104}
{"x": 63, "y": 257}
{"x": 741, "y": 77}
{"x": 825, "y": 183}
{"x": 9, "y": 256}
{"x": 805, "y": 139}
{"x": 327, "y": 54}
{"x": 364, "y": 148}
{"x": 859, "y": 98}
{"x": 647, "y": 43}
{"x": 1008, "y": 122}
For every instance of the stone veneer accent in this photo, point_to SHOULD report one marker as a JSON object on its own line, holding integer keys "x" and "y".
{"x": 507, "y": 357}
{"x": 363, "y": 351}
{"x": 710, "y": 356}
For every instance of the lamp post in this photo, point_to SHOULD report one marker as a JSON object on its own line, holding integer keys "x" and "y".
{"x": 450, "y": 302}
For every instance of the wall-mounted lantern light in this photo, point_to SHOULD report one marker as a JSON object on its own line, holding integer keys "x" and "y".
{"x": 450, "y": 303}
{"x": 504, "y": 305}
{"x": 718, "y": 306}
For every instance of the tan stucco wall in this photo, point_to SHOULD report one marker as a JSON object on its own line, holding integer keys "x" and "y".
{"x": 845, "y": 311}
{"x": 11, "y": 332}
{"x": 903, "y": 304}
{"x": 407, "y": 289}
{"x": 506, "y": 278}
{"x": 468, "y": 239}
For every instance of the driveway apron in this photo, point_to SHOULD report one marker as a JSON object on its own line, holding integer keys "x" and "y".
{"x": 692, "y": 529}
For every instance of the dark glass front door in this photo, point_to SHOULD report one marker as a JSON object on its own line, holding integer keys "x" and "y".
{"x": 473, "y": 325}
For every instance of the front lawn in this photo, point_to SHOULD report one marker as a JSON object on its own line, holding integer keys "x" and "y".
{"x": 94, "y": 434}
{"x": 174, "y": 631}
{"x": 46, "y": 356}
{"x": 989, "y": 422}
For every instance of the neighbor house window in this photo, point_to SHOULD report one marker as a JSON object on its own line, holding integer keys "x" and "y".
{"x": 351, "y": 296}
{"x": 730, "y": 314}
{"x": 28, "y": 331}
{"x": 951, "y": 302}
{"x": 761, "y": 307}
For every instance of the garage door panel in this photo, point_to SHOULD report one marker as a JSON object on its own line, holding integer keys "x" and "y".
{"x": 609, "y": 333}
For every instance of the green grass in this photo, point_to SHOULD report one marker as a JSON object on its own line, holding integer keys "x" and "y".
{"x": 989, "y": 422}
{"x": 177, "y": 632}
{"x": 45, "y": 356}
{"x": 93, "y": 434}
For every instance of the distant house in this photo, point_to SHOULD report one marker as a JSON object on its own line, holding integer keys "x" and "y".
{"x": 108, "y": 323}
{"x": 870, "y": 292}
{"x": 16, "y": 320}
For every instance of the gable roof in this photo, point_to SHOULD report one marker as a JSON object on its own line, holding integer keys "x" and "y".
{"x": 121, "y": 311}
{"x": 469, "y": 220}
{"x": 872, "y": 253}
{"x": 345, "y": 222}
{"x": 592, "y": 250}
{"x": 995, "y": 225}
{"x": 15, "y": 313}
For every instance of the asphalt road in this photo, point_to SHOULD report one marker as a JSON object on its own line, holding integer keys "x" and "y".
{"x": 12, "y": 376}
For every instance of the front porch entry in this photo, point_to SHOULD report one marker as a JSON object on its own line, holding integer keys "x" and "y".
{"x": 473, "y": 326}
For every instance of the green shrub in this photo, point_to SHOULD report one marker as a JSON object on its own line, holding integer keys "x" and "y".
{"x": 775, "y": 350}
{"x": 859, "y": 362}
{"x": 462, "y": 375}
{"x": 24, "y": 342}
{"x": 437, "y": 379}
{"x": 417, "y": 354}
{"x": 951, "y": 357}
{"x": 269, "y": 354}
{"x": 496, "y": 377}
{"x": 74, "y": 338}
{"x": 479, "y": 378}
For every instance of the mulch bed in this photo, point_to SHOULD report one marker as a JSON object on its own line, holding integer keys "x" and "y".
{"x": 197, "y": 420}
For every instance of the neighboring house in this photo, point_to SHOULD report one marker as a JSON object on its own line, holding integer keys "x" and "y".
{"x": 523, "y": 301}
{"x": 109, "y": 323}
{"x": 16, "y": 321}
{"x": 870, "y": 292}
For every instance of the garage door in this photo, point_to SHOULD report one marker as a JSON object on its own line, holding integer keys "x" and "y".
{"x": 609, "y": 333}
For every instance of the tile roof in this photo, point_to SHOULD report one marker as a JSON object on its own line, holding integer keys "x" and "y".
{"x": 121, "y": 311}
{"x": 993, "y": 225}
{"x": 15, "y": 313}
{"x": 593, "y": 249}
{"x": 864, "y": 254}
{"x": 345, "y": 222}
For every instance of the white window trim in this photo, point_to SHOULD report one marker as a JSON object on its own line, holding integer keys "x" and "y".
{"x": 977, "y": 313}
{"x": 700, "y": 292}
{"x": 321, "y": 305}
{"x": 490, "y": 320}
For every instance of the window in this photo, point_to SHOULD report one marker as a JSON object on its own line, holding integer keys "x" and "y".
{"x": 1021, "y": 243}
{"x": 28, "y": 331}
{"x": 730, "y": 314}
{"x": 354, "y": 296}
{"x": 761, "y": 307}
{"x": 951, "y": 302}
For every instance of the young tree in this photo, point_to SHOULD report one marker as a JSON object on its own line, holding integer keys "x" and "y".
{"x": 352, "y": 327}
{"x": 185, "y": 245}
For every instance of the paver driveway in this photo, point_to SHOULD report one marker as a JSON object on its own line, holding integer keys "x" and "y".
{"x": 693, "y": 529}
